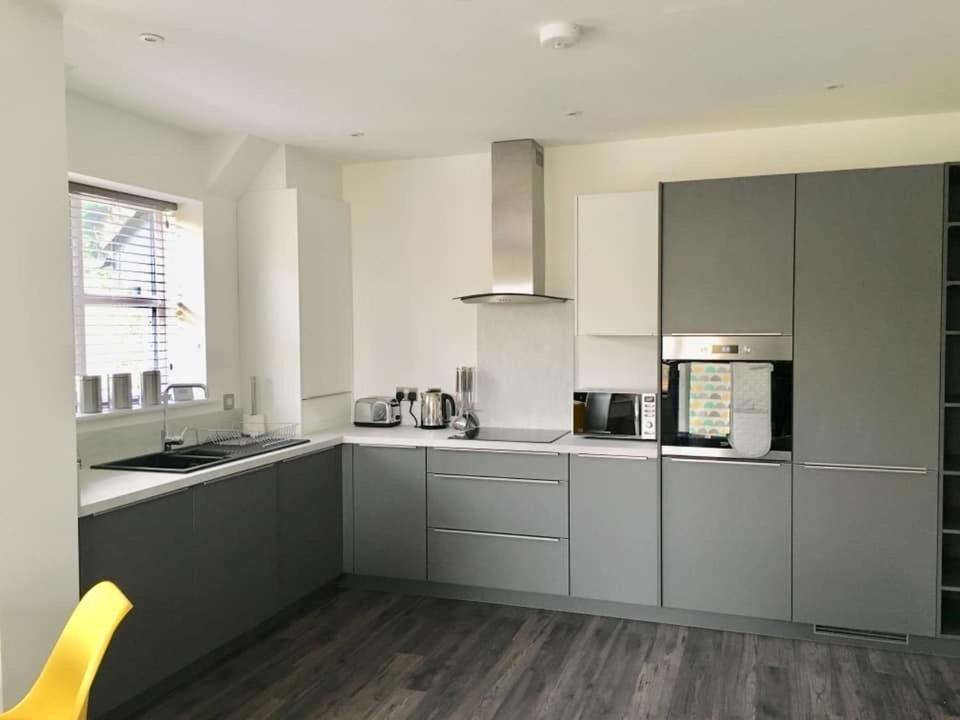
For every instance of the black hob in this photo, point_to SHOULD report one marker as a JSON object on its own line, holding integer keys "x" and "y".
{"x": 496, "y": 434}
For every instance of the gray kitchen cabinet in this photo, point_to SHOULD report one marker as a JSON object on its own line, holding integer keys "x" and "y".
{"x": 390, "y": 511}
{"x": 614, "y": 529}
{"x": 236, "y": 554}
{"x": 865, "y": 549}
{"x": 535, "y": 464}
{"x": 867, "y": 345}
{"x": 147, "y": 550}
{"x": 727, "y": 255}
{"x": 522, "y": 506}
{"x": 726, "y": 537}
{"x": 526, "y": 563}
{"x": 308, "y": 523}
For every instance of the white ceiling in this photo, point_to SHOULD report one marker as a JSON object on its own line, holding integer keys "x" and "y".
{"x": 432, "y": 77}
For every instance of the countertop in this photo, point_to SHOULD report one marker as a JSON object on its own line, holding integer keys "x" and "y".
{"x": 103, "y": 490}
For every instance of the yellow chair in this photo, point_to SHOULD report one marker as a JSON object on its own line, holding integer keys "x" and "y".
{"x": 61, "y": 691}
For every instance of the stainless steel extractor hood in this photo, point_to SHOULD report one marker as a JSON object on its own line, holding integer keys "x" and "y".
{"x": 518, "y": 234}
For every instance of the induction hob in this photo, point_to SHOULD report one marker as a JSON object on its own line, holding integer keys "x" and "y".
{"x": 496, "y": 434}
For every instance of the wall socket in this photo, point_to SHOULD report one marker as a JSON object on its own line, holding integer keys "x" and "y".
{"x": 228, "y": 401}
{"x": 409, "y": 393}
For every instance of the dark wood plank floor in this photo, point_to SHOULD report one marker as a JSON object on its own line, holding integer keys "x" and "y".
{"x": 377, "y": 656}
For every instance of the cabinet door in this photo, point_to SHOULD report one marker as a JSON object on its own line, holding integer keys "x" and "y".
{"x": 726, "y": 537}
{"x": 728, "y": 256}
{"x": 614, "y": 529}
{"x": 390, "y": 512}
{"x": 147, "y": 550}
{"x": 326, "y": 295}
{"x": 308, "y": 523}
{"x": 865, "y": 549}
{"x": 618, "y": 269}
{"x": 237, "y": 554}
{"x": 867, "y": 345}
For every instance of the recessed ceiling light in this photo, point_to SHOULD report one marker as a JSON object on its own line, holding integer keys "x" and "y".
{"x": 833, "y": 86}
{"x": 358, "y": 133}
{"x": 151, "y": 38}
{"x": 559, "y": 36}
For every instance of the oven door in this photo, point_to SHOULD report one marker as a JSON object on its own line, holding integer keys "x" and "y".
{"x": 695, "y": 409}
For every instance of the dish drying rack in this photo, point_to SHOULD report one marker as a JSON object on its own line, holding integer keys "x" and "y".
{"x": 261, "y": 433}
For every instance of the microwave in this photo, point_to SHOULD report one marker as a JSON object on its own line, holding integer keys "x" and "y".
{"x": 615, "y": 415}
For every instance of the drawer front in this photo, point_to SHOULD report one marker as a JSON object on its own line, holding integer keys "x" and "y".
{"x": 498, "y": 463}
{"x": 508, "y": 562}
{"x": 521, "y": 506}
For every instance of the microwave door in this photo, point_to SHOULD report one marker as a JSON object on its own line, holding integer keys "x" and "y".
{"x": 598, "y": 412}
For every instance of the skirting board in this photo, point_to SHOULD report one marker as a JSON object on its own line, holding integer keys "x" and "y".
{"x": 668, "y": 616}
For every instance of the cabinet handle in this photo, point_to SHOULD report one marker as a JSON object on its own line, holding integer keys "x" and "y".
{"x": 601, "y": 456}
{"x": 903, "y": 470}
{"x": 498, "y": 452}
{"x": 726, "y": 334}
{"x": 529, "y": 481}
{"x": 390, "y": 447}
{"x": 509, "y": 536}
{"x": 726, "y": 462}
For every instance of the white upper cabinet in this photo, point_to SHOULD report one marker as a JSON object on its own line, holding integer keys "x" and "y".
{"x": 618, "y": 241}
{"x": 326, "y": 296}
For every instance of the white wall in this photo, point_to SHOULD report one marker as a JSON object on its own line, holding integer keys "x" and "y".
{"x": 38, "y": 487}
{"x": 421, "y": 228}
{"x": 421, "y": 236}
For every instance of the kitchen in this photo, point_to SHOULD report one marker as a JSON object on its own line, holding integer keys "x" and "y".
{"x": 818, "y": 253}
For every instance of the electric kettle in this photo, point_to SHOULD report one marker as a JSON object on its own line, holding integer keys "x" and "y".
{"x": 436, "y": 409}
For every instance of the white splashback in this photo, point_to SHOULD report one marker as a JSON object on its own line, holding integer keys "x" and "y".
{"x": 525, "y": 364}
{"x": 617, "y": 362}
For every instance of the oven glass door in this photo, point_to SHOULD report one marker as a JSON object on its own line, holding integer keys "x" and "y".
{"x": 695, "y": 404}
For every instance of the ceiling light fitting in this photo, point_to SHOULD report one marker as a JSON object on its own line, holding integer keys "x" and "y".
{"x": 151, "y": 38}
{"x": 559, "y": 36}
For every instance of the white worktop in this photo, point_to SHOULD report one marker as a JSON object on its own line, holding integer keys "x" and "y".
{"x": 103, "y": 490}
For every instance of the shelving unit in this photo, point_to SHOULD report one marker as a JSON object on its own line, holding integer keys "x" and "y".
{"x": 950, "y": 417}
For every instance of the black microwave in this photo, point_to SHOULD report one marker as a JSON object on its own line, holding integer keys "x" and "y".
{"x": 615, "y": 415}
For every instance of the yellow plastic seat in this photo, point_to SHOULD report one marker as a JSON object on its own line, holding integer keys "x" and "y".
{"x": 62, "y": 689}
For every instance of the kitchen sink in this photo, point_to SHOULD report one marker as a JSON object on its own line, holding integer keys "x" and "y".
{"x": 196, "y": 457}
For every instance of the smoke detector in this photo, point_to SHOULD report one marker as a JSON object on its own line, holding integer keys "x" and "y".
{"x": 559, "y": 36}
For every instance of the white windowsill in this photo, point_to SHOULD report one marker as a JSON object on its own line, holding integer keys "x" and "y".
{"x": 144, "y": 413}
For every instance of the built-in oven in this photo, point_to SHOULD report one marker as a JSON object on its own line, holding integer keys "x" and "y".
{"x": 727, "y": 396}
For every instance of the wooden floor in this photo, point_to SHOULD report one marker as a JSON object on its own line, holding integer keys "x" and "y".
{"x": 378, "y": 656}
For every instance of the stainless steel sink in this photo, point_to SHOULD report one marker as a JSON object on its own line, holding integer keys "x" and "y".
{"x": 197, "y": 457}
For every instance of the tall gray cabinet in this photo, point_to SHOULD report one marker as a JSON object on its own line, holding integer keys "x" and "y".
{"x": 728, "y": 256}
{"x": 390, "y": 511}
{"x": 866, "y": 388}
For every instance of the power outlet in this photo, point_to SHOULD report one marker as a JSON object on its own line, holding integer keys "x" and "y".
{"x": 409, "y": 394}
{"x": 229, "y": 401}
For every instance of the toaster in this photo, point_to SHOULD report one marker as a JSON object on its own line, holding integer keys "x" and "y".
{"x": 376, "y": 412}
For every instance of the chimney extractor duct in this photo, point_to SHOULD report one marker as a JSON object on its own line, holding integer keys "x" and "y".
{"x": 519, "y": 262}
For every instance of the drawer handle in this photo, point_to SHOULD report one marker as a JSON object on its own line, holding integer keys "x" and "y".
{"x": 725, "y": 462}
{"x": 392, "y": 447}
{"x": 527, "y": 481}
{"x": 867, "y": 468}
{"x": 509, "y": 536}
{"x": 601, "y": 456}
{"x": 498, "y": 452}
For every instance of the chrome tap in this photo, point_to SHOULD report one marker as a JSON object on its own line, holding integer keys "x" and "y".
{"x": 170, "y": 442}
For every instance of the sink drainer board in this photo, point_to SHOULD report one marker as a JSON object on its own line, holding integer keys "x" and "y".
{"x": 265, "y": 434}
{"x": 855, "y": 634}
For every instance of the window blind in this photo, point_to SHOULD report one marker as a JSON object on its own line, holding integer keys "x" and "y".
{"x": 119, "y": 280}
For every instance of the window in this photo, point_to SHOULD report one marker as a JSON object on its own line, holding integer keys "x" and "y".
{"x": 130, "y": 313}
